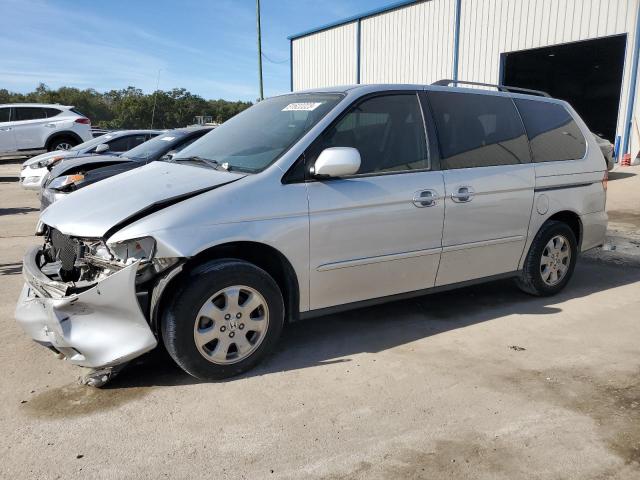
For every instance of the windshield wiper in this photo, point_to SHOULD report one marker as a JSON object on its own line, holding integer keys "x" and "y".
{"x": 215, "y": 164}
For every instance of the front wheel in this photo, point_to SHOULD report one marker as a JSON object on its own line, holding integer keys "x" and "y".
{"x": 224, "y": 320}
{"x": 551, "y": 260}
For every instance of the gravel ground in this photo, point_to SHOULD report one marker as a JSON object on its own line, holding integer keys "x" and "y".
{"x": 483, "y": 382}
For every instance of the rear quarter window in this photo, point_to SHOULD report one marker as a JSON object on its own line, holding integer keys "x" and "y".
{"x": 553, "y": 134}
{"x": 52, "y": 112}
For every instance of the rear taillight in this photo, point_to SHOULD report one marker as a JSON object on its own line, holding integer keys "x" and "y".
{"x": 605, "y": 180}
{"x": 83, "y": 120}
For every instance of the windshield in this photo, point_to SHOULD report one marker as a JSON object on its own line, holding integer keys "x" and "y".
{"x": 93, "y": 142}
{"x": 155, "y": 147}
{"x": 255, "y": 138}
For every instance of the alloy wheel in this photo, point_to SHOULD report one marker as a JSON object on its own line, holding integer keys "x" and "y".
{"x": 555, "y": 260}
{"x": 231, "y": 324}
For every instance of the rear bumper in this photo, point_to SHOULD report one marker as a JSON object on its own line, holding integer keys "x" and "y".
{"x": 594, "y": 230}
{"x": 100, "y": 327}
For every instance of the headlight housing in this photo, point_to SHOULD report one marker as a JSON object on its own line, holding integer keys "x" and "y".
{"x": 133, "y": 250}
{"x": 47, "y": 162}
{"x": 65, "y": 182}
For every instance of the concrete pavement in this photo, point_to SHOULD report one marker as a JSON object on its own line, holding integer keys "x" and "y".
{"x": 10, "y": 169}
{"x": 483, "y": 382}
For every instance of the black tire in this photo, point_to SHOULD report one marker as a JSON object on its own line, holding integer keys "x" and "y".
{"x": 531, "y": 280}
{"x": 196, "y": 287}
{"x": 57, "y": 142}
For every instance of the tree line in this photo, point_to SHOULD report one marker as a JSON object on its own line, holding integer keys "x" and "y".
{"x": 130, "y": 107}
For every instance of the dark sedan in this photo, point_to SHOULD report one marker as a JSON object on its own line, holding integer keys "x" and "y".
{"x": 73, "y": 174}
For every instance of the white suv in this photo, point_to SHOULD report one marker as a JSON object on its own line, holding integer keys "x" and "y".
{"x": 32, "y": 127}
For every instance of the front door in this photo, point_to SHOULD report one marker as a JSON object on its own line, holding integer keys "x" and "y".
{"x": 489, "y": 184}
{"x": 7, "y": 139}
{"x": 376, "y": 233}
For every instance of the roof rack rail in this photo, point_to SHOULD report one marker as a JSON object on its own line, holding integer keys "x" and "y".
{"x": 503, "y": 88}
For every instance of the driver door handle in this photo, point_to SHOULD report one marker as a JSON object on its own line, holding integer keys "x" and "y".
{"x": 463, "y": 194}
{"x": 425, "y": 198}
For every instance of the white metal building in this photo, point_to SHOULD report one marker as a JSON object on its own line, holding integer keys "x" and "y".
{"x": 584, "y": 51}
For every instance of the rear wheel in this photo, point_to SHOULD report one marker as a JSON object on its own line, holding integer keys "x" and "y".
{"x": 551, "y": 260}
{"x": 62, "y": 143}
{"x": 225, "y": 320}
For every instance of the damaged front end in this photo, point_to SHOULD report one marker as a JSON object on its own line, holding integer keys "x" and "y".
{"x": 90, "y": 301}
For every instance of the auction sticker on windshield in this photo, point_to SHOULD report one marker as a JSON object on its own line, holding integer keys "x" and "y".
{"x": 167, "y": 139}
{"x": 302, "y": 107}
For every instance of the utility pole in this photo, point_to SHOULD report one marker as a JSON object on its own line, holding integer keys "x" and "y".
{"x": 155, "y": 98}
{"x": 259, "y": 49}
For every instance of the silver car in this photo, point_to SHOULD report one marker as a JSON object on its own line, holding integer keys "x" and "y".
{"x": 310, "y": 203}
{"x": 35, "y": 169}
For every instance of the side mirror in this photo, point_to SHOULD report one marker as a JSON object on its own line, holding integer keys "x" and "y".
{"x": 337, "y": 162}
{"x": 168, "y": 156}
{"x": 103, "y": 147}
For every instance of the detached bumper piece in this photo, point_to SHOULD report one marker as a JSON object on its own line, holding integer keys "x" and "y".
{"x": 100, "y": 327}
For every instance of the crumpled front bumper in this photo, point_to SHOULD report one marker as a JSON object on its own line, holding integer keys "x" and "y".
{"x": 100, "y": 327}
{"x": 49, "y": 196}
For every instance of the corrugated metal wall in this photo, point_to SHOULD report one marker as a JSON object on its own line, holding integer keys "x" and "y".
{"x": 325, "y": 58}
{"x": 413, "y": 44}
{"x": 491, "y": 27}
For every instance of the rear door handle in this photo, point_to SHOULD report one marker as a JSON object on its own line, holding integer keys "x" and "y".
{"x": 425, "y": 198}
{"x": 463, "y": 194}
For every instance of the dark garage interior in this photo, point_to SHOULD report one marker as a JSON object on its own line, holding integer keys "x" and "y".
{"x": 587, "y": 74}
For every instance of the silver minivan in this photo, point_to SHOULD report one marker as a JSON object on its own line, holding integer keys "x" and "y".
{"x": 309, "y": 203}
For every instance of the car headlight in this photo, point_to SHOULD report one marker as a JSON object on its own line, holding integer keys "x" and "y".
{"x": 65, "y": 181}
{"x": 46, "y": 162}
{"x": 134, "y": 250}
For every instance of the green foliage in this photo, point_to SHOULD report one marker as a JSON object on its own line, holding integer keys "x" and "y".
{"x": 130, "y": 107}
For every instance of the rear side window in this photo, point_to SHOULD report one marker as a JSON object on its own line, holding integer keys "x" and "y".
{"x": 5, "y": 114}
{"x": 388, "y": 131}
{"x": 552, "y": 132}
{"x": 478, "y": 130}
{"x": 30, "y": 113}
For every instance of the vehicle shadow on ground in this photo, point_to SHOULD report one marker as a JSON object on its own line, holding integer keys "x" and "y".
{"x": 17, "y": 210}
{"x": 334, "y": 338}
{"x": 10, "y": 268}
{"x": 619, "y": 175}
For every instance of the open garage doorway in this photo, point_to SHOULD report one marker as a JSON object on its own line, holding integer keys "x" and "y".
{"x": 587, "y": 74}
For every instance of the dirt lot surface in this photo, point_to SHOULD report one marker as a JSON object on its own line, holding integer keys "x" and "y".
{"x": 483, "y": 383}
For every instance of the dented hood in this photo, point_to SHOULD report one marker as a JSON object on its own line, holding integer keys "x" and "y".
{"x": 102, "y": 207}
